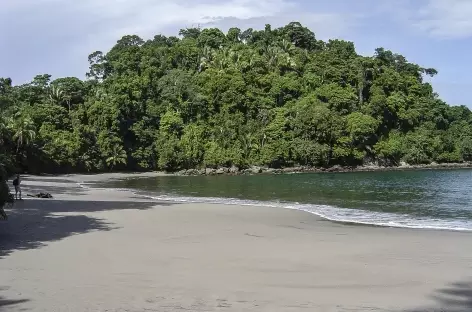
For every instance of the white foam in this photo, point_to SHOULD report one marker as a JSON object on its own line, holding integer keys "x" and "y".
{"x": 82, "y": 185}
{"x": 333, "y": 213}
{"x": 87, "y": 187}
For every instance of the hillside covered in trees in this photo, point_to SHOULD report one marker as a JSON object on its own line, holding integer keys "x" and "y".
{"x": 272, "y": 97}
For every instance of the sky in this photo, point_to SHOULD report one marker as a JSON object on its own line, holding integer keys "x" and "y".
{"x": 56, "y": 36}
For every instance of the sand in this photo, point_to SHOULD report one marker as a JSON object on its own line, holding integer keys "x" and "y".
{"x": 102, "y": 250}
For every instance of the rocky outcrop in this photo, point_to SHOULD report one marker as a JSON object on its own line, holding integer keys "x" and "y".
{"x": 305, "y": 169}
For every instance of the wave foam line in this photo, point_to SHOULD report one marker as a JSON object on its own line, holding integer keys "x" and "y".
{"x": 336, "y": 214}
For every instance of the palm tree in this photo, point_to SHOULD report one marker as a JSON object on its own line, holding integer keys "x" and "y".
{"x": 223, "y": 59}
{"x": 286, "y": 51}
{"x": 206, "y": 59}
{"x": 272, "y": 54}
{"x": 286, "y": 60}
{"x": 86, "y": 161}
{"x": 56, "y": 95}
{"x": 246, "y": 61}
{"x": 286, "y": 46}
{"x": 236, "y": 59}
{"x": 23, "y": 130}
{"x": 118, "y": 156}
{"x": 59, "y": 96}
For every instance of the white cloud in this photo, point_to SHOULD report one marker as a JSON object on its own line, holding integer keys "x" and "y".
{"x": 147, "y": 18}
{"x": 446, "y": 19}
{"x": 99, "y": 23}
{"x": 55, "y": 36}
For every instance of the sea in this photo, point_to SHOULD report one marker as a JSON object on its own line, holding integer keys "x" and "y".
{"x": 423, "y": 199}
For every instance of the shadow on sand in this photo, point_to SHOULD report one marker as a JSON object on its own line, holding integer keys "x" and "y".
{"x": 34, "y": 222}
{"x": 7, "y": 304}
{"x": 456, "y": 297}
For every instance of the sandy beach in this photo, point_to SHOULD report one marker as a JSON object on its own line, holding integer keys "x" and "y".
{"x": 104, "y": 250}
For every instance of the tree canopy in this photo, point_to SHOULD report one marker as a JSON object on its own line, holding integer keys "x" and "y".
{"x": 273, "y": 97}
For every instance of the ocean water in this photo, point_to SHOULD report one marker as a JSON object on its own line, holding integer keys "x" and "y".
{"x": 430, "y": 199}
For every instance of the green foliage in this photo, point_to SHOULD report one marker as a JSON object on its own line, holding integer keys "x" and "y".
{"x": 391, "y": 148}
{"x": 4, "y": 191}
{"x": 116, "y": 157}
{"x": 272, "y": 97}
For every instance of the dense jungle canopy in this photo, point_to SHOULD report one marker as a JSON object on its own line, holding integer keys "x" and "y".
{"x": 272, "y": 97}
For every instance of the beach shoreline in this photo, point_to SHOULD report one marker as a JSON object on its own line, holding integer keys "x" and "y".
{"x": 104, "y": 182}
{"x": 103, "y": 249}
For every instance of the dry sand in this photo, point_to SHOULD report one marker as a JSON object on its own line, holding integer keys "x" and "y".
{"x": 102, "y": 250}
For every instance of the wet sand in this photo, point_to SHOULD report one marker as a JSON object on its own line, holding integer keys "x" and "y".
{"x": 102, "y": 250}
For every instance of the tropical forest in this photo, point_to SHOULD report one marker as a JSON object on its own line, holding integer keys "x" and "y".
{"x": 274, "y": 98}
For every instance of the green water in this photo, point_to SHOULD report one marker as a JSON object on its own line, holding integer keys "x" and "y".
{"x": 420, "y": 199}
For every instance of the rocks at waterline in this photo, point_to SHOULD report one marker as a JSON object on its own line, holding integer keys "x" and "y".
{"x": 306, "y": 169}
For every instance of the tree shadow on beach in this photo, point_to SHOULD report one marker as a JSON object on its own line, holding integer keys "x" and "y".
{"x": 33, "y": 223}
{"x": 456, "y": 297}
{"x": 7, "y": 304}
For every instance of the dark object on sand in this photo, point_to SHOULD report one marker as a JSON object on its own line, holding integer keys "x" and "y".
{"x": 41, "y": 195}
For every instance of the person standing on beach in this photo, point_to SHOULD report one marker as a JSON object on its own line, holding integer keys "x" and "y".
{"x": 16, "y": 184}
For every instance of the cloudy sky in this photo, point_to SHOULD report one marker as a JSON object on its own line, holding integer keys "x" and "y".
{"x": 56, "y": 36}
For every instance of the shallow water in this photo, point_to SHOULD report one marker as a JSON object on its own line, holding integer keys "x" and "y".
{"x": 439, "y": 199}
